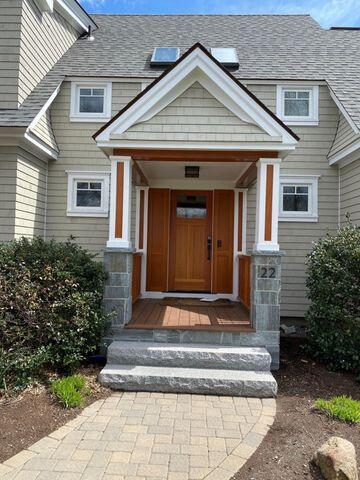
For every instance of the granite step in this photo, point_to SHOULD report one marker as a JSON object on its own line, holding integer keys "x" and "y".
{"x": 189, "y": 380}
{"x": 188, "y": 356}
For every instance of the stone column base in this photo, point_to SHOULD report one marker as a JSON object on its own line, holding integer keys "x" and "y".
{"x": 265, "y": 298}
{"x": 118, "y": 264}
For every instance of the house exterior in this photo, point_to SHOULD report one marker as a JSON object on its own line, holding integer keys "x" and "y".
{"x": 198, "y": 156}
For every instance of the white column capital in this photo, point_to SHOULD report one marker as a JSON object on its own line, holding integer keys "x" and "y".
{"x": 269, "y": 161}
{"x": 120, "y": 158}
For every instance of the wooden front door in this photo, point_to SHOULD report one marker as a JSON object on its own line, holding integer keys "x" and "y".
{"x": 190, "y": 241}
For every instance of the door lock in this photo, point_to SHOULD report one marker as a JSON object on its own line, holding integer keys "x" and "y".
{"x": 219, "y": 244}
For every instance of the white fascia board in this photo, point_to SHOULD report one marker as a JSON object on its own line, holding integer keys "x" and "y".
{"x": 75, "y": 14}
{"x": 237, "y": 100}
{"x": 343, "y": 110}
{"x": 346, "y": 155}
{"x": 38, "y": 143}
{"x": 266, "y": 146}
{"x": 45, "y": 107}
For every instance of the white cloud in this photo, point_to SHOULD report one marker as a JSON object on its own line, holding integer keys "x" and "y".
{"x": 337, "y": 12}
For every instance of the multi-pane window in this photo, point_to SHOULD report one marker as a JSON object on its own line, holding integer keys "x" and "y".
{"x": 295, "y": 198}
{"x": 91, "y": 100}
{"x": 298, "y": 198}
{"x": 298, "y": 105}
{"x": 88, "y": 194}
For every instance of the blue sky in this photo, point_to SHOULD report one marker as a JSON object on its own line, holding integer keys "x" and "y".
{"x": 326, "y": 12}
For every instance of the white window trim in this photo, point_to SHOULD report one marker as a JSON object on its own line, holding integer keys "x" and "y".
{"x": 72, "y": 209}
{"x": 310, "y": 181}
{"x": 76, "y": 115}
{"x": 312, "y": 119}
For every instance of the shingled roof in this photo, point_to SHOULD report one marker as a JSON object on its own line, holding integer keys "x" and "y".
{"x": 276, "y": 47}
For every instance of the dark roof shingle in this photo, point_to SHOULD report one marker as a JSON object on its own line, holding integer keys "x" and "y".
{"x": 279, "y": 47}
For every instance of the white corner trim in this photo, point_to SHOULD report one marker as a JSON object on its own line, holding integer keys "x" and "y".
{"x": 76, "y": 115}
{"x": 312, "y": 119}
{"x": 197, "y": 67}
{"x": 75, "y": 211}
{"x": 312, "y": 182}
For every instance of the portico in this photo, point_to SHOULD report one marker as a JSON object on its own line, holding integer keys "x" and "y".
{"x": 197, "y": 235}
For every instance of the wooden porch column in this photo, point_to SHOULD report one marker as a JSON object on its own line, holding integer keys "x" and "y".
{"x": 267, "y": 205}
{"x": 120, "y": 203}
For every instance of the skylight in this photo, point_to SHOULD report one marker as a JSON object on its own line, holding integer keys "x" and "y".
{"x": 165, "y": 55}
{"x": 227, "y": 56}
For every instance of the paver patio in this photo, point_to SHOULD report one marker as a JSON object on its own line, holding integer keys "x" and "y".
{"x": 145, "y": 436}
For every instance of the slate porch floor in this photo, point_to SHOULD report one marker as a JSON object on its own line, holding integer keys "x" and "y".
{"x": 147, "y": 436}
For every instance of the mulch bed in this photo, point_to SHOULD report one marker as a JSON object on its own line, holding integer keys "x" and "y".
{"x": 299, "y": 429}
{"x": 35, "y": 413}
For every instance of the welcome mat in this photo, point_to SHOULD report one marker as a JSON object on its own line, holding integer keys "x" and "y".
{"x": 195, "y": 302}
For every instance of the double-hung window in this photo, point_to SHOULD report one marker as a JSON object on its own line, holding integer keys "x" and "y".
{"x": 90, "y": 102}
{"x": 297, "y": 105}
{"x": 88, "y": 194}
{"x": 298, "y": 198}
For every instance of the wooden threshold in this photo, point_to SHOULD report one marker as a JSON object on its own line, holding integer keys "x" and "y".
{"x": 210, "y": 328}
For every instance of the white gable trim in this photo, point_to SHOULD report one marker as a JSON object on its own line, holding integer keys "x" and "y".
{"x": 197, "y": 66}
{"x": 45, "y": 107}
{"x": 343, "y": 110}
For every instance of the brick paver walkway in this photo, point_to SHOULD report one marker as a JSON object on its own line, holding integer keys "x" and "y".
{"x": 147, "y": 436}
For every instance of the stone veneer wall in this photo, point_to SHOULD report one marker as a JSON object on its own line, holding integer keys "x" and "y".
{"x": 118, "y": 264}
{"x": 265, "y": 300}
{"x": 265, "y": 307}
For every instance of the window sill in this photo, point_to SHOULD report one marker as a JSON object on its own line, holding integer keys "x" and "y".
{"x": 313, "y": 219}
{"x": 87, "y": 214}
{"x": 90, "y": 119}
{"x": 304, "y": 123}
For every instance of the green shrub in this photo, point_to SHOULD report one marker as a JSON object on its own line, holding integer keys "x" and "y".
{"x": 334, "y": 290}
{"x": 343, "y": 408}
{"x": 50, "y": 308}
{"x": 69, "y": 391}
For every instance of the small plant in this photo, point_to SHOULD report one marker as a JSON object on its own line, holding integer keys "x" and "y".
{"x": 69, "y": 391}
{"x": 343, "y": 408}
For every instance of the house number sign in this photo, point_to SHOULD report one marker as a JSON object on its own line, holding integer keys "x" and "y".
{"x": 267, "y": 272}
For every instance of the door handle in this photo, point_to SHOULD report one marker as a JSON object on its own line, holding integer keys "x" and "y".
{"x": 209, "y": 243}
{"x": 219, "y": 243}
